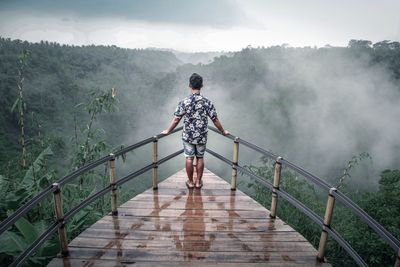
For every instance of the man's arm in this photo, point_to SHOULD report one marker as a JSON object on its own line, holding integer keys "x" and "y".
{"x": 175, "y": 121}
{"x": 217, "y": 124}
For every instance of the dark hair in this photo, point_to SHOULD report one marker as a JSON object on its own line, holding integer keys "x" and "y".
{"x": 196, "y": 81}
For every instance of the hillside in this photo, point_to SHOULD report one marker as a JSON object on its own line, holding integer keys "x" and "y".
{"x": 332, "y": 110}
{"x": 59, "y": 77}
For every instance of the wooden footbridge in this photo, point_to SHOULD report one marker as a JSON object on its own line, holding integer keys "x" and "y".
{"x": 175, "y": 226}
{"x": 170, "y": 225}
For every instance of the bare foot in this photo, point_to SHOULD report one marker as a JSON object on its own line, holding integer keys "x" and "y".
{"x": 199, "y": 184}
{"x": 190, "y": 184}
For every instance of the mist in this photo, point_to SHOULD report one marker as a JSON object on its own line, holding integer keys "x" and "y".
{"x": 315, "y": 107}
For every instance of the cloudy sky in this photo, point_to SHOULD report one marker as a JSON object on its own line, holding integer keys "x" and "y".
{"x": 207, "y": 25}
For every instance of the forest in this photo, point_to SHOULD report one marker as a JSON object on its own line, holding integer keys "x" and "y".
{"x": 332, "y": 110}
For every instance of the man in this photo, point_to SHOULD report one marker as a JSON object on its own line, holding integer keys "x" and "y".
{"x": 195, "y": 109}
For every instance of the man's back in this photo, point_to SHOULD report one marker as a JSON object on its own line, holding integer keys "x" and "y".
{"x": 195, "y": 109}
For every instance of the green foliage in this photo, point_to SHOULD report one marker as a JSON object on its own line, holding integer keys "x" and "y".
{"x": 59, "y": 77}
{"x": 20, "y": 189}
{"x": 357, "y": 44}
{"x": 15, "y": 242}
{"x": 92, "y": 145}
{"x": 38, "y": 175}
{"x": 22, "y": 60}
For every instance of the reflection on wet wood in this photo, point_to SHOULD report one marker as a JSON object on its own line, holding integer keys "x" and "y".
{"x": 174, "y": 226}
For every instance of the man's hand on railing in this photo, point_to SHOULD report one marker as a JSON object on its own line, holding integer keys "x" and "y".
{"x": 173, "y": 124}
{"x": 166, "y": 131}
{"x": 225, "y": 132}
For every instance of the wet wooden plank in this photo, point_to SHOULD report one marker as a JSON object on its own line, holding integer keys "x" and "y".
{"x": 185, "y": 244}
{"x": 181, "y": 205}
{"x": 183, "y": 198}
{"x": 174, "y": 226}
{"x": 246, "y": 214}
{"x": 109, "y": 263}
{"x": 182, "y": 191}
{"x": 140, "y": 255}
{"x": 197, "y": 226}
{"x": 184, "y": 219}
{"x": 289, "y": 236}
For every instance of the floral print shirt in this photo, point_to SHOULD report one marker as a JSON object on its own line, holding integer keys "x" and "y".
{"x": 195, "y": 109}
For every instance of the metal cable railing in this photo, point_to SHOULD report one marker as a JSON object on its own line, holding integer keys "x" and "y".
{"x": 55, "y": 189}
{"x": 334, "y": 194}
{"x": 312, "y": 178}
{"x": 274, "y": 187}
{"x": 299, "y": 205}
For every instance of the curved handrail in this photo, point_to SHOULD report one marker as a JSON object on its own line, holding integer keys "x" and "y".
{"x": 10, "y": 220}
{"x": 298, "y": 205}
{"x": 21, "y": 211}
{"x": 347, "y": 202}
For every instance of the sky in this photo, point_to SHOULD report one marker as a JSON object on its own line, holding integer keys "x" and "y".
{"x": 207, "y": 25}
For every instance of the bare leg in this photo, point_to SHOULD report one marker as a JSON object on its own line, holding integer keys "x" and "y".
{"x": 189, "y": 170}
{"x": 199, "y": 170}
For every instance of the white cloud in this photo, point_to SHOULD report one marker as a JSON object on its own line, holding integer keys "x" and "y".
{"x": 128, "y": 33}
{"x": 307, "y": 23}
{"x": 320, "y": 22}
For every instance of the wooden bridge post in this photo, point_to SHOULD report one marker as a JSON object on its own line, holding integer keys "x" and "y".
{"x": 155, "y": 166}
{"x": 113, "y": 176}
{"x": 62, "y": 234}
{"x": 275, "y": 186}
{"x": 235, "y": 162}
{"x": 327, "y": 224}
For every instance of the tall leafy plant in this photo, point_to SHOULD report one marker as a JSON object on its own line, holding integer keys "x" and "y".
{"x": 91, "y": 144}
{"x": 20, "y": 103}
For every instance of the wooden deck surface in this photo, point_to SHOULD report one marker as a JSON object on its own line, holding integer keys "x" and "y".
{"x": 174, "y": 226}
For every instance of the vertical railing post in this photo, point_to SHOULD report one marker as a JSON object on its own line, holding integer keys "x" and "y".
{"x": 155, "y": 166}
{"x": 397, "y": 263}
{"x": 113, "y": 176}
{"x": 235, "y": 162}
{"x": 330, "y": 204}
{"x": 275, "y": 187}
{"x": 62, "y": 234}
